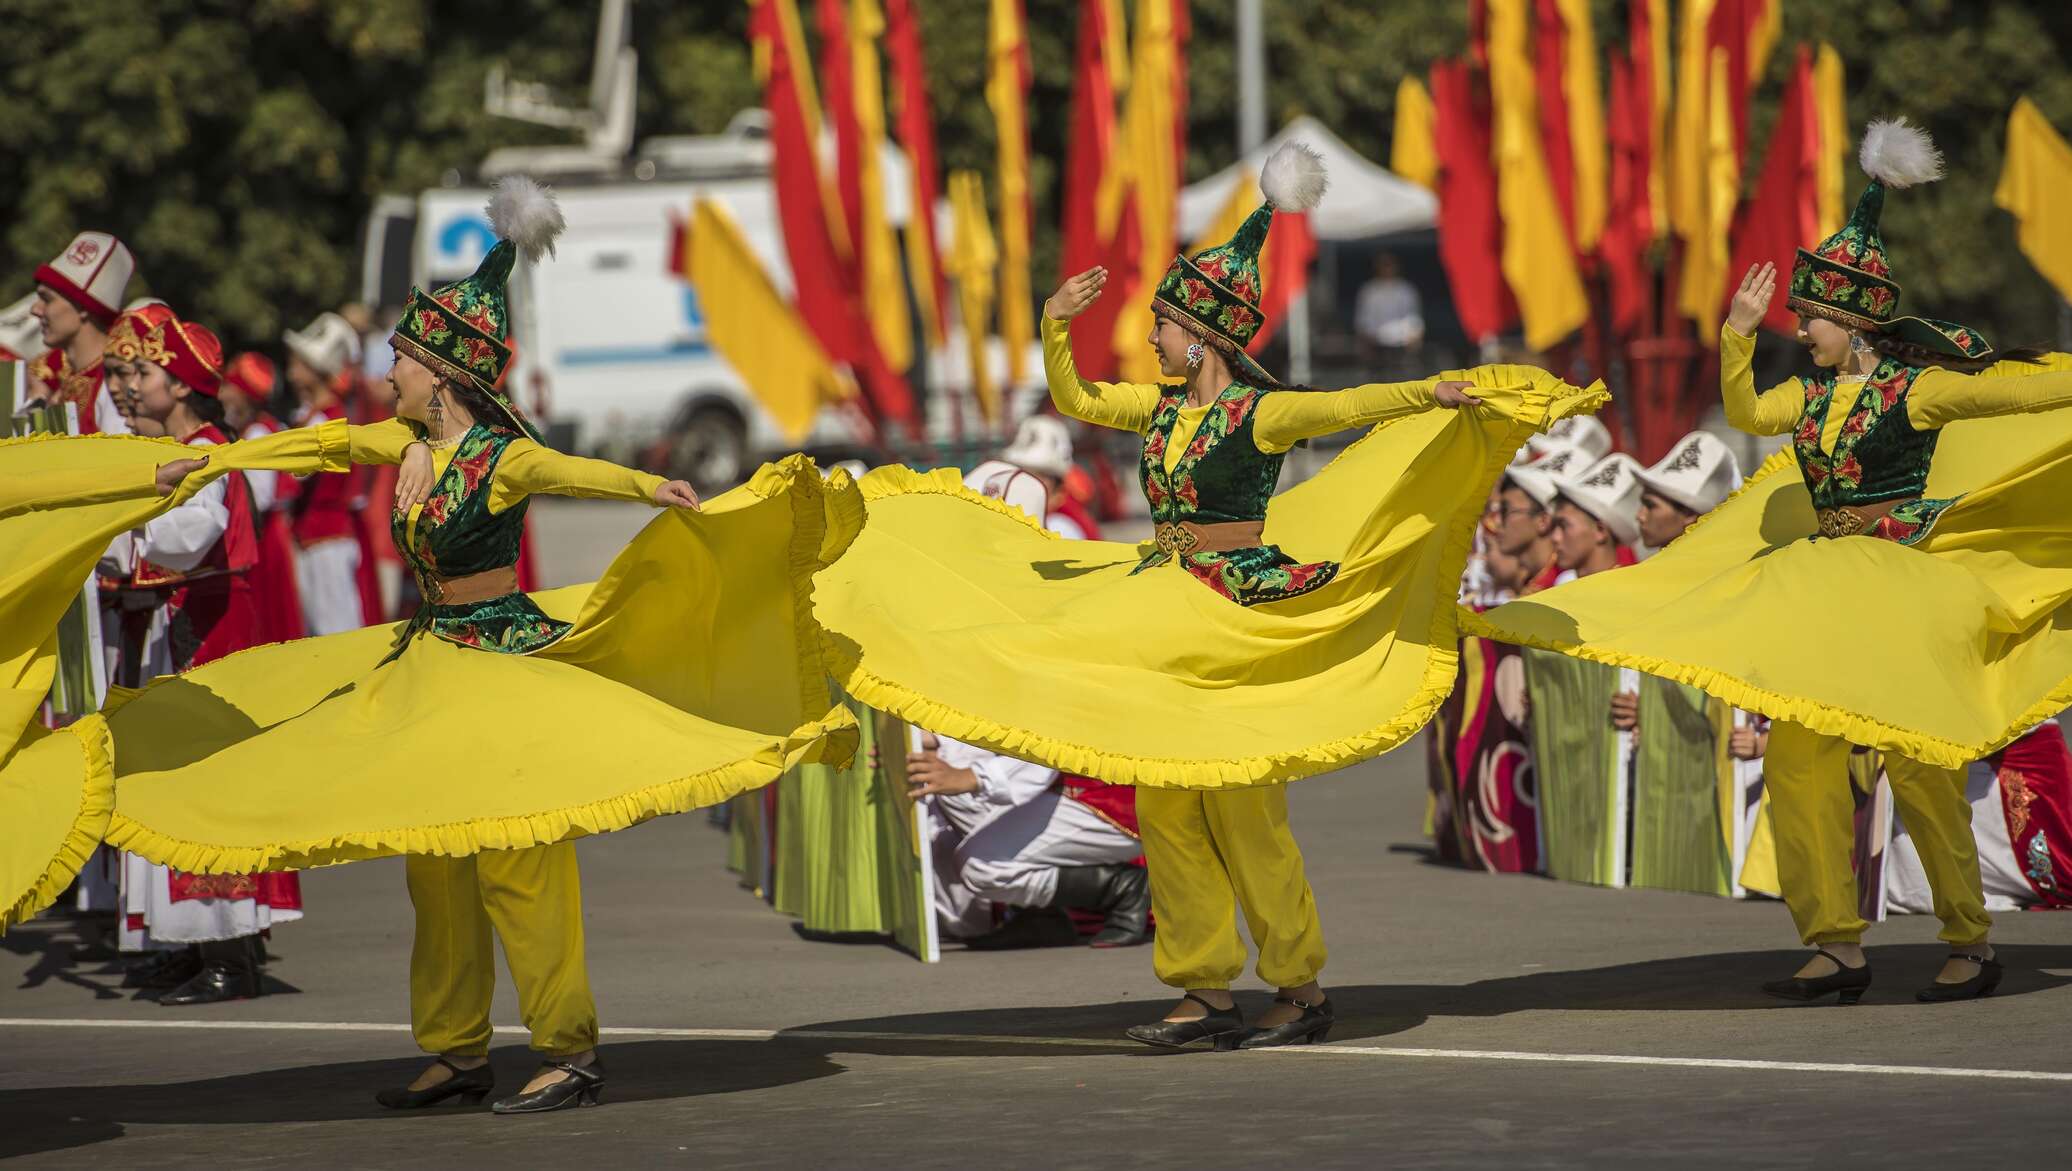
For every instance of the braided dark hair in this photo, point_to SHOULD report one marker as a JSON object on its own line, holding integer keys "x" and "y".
{"x": 1913, "y": 354}
{"x": 206, "y": 407}
{"x": 486, "y": 410}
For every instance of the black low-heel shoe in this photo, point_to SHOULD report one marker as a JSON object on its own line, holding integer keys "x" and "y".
{"x": 1849, "y": 983}
{"x": 1221, "y": 1029}
{"x": 1313, "y": 1027}
{"x": 469, "y": 1085}
{"x": 1982, "y": 984}
{"x": 582, "y": 1087}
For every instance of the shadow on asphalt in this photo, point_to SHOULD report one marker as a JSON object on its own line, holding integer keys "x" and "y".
{"x": 58, "y": 1118}
{"x": 1725, "y": 981}
{"x": 55, "y": 1118}
{"x": 76, "y": 950}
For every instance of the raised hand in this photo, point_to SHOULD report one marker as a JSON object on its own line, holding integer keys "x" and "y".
{"x": 677, "y": 494}
{"x": 1076, "y": 294}
{"x": 170, "y": 474}
{"x": 1454, "y": 394}
{"x": 1752, "y": 299}
{"x": 414, "y": 477}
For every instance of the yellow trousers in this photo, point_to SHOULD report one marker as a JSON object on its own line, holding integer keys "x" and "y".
{"x": 533, "y": 901}
{"x": 1812, "y": 815}
{"x": 1210, "y": 852}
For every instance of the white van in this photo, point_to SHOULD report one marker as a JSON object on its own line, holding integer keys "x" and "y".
{"x": 612, "y": 356}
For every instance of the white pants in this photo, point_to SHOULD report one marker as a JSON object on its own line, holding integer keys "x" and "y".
{"x": 1013, "y": 856}
{"x": 147, "y": 891}
{"x": 327, "y": 574}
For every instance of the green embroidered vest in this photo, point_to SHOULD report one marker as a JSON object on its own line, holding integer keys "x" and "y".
{"x": 1878, "y": 456}
{"x": 457, "y": 535}
{"x": 1222, "y": 476}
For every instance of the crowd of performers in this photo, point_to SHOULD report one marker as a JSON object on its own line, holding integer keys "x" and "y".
{"x": 254, "y": 558}
{"x": 1109, "y": 728}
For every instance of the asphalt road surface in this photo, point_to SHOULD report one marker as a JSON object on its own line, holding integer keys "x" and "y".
{"x": 1483, "y": 1021}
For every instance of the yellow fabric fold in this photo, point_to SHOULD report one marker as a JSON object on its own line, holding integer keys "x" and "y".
{"x": 1956, "y": 644}
{"x": 52, "y": 829}
{"x": 693, "y": 672}
{"x": 962, "y": 616}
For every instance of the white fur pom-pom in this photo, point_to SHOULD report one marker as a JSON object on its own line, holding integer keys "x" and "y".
{"x": 526, "y": 214}
{"x": 1293, "y": 178}
{"x": 1899, "y": 155}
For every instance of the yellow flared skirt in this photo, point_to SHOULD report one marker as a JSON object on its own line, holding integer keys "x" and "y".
{"x": 960, "y": 615}
{"x": 1943, "y": 651}
{"x": 693, "y": 672}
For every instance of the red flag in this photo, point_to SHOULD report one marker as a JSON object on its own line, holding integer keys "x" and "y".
{"x": 1784, "y": 214}
{"x": 1089, "y": 144}
{"x": 1291, "y": 246}
{"x": 1745, "y": 29}
{"x": 838, "y": 95}
{"x": 1470, "y": 235}
{"x": 916, "y": 132}
{"x": 823, "y": 286}
{"x": 1628, "y": 228}
{"x": 1550, "y": 71}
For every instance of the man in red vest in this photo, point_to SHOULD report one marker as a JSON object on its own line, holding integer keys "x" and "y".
{"x": 328, "y": 559}
{"x": 204, "y": 929}
{"x": 247, "y": 386}
{"x": 78, "y": 296}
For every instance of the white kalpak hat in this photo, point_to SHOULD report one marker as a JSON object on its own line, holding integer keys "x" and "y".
{"x": 92, "y": 274}
{"x": 21, "y": 335}
{"x": 1610, "y": 491}
{"x": 1581, "y": 431}
{"x": 329, "y": 344}
{"x": 1536, "y": 479}
{"x": 1698, "y": 473}
{"x": 1043, "y": 445}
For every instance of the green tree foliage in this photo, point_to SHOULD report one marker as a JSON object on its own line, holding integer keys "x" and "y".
{"x": 236, "y": 144}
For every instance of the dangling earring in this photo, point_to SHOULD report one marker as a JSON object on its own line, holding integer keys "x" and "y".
{"x": 1858, "y": 348}
{"x": 1195, "y": 353}
{"x": 437, "y": 407}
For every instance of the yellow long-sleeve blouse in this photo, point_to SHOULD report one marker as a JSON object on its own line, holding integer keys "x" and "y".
{"x": 1938, "y": 397}
{"x": 1282, "y": 419}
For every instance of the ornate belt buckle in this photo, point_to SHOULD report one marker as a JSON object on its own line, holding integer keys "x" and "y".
{"x": 1841, "y": 522}
{"x": 430, "y": 588}
{"x": 1174, "y": 539}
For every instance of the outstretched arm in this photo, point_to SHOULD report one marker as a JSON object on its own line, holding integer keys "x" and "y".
{"x": 1127, "y": 406}
{"x": 1940, "y": 397}
{"x": 527, "y": 469}
{"x": 1286, "y": 418}
{"x": 1776, "y": 410}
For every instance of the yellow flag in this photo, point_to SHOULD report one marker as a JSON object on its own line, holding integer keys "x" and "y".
{"x": 1831, "y": 116}
{"x": 884, "y": 286}
{"x": 1145, "y": 141}
{"x": 1701, "y": 296}
{"x": 755, "y": 328}
{"x": 1414, "y": 154}
{"x": 1539, "y": 263}
{"x": 1007, "y": 95}
{"x": 972, "y": 260}
{"x": 2034, "y": 180}
{"x": 1589, "y": 155}
{"x": 1688, "y": 136}
{"x": 1244, "y": 200}
{"x": 1658, "y": 129}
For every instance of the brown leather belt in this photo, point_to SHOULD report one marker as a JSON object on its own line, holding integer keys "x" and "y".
{"x": 1184, "y": 536}
{"x": 466, "y": 591}
{"x": 1851, "y": 519}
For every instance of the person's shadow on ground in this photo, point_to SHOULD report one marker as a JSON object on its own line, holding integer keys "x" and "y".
{"x": 79, "y": 952}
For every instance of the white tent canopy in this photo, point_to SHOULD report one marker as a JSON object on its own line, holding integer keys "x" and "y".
{"x": 1363, "y": 201}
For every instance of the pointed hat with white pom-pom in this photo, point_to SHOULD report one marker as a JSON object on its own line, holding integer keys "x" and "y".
{"x": 1847, "y": 279}
{"x": 1216, "y": 293}
{"x": 463, "y": 330}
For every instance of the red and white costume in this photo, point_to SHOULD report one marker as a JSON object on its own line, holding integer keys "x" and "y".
{"x": 92, "y": 273}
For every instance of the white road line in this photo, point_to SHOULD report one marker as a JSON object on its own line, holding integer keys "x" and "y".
{"x": 1341, "y": 1050}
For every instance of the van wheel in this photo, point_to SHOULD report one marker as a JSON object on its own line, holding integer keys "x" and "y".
{"x": 709, "y": 447}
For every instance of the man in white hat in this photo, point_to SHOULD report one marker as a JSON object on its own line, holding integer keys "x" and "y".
{"x": 78, "y": 296}
{"x": 1031, "y": 471}
{"x": 1521, "y": 525}
{"x": 1692, "y": 480}
{"x": 1596, "y": 517}
{"x": 1578, "y": 431}
{"x": 1021, "y": 834}
{"x": 327, "y": 546}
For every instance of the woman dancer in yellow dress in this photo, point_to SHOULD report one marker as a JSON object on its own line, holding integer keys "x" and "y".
{"x": 1935, "y": 522}
{"x": 489, "y": 730}
{"x": 1212, "y": 665}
